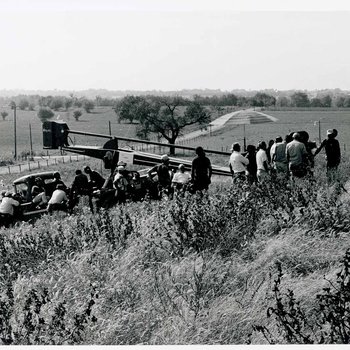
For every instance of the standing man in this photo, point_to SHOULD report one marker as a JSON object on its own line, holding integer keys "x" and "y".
{"x": 201, "y": 170}
{"x": 333, "y": 156}
{"x": 278, "y": 156}
{"x": 80, "y": 187}
{"x": 262, "y": 162}
{"x": 237, "y": 163}
{"x": 296, "y": 154}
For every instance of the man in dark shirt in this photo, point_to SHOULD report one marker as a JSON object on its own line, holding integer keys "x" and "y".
{"x": 201, "y": 171}
{"x": 96, "y": 179}
{"x": 333, "y": 156}
{"x": 164, "y": 176}
{"x": 80, "y": 187}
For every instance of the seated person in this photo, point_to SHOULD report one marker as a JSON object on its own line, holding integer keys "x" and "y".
{"x": 181, "y": 178}
{"x": 39, "y": 193}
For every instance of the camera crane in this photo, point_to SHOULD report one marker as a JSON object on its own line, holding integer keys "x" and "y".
{"x": 56, "y": 136}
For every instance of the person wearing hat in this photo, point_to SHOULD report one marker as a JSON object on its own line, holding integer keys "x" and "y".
{"x": 164, "y": 174}
{"x": 201, "y": 171}
{"x": 120, "y": 183}
{"x": 333, "y": 155}
{"x": 297, "y": 155}
{"x": 58, "y": 200}
{"x": 7, "y": 208}
{"x": 51, "y": 186}
{"x": 181, "y": 179}
{"x": 96, "y": 179}
{"x": 237, "y": 163}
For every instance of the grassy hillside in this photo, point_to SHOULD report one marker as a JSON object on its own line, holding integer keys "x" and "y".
{"x": 201, "y": 270}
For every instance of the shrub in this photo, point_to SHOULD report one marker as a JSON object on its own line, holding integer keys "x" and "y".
{"x": 77, "y": 114}
{"x": 45, "y": 113}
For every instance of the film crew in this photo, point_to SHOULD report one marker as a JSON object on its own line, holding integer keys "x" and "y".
{"x": 164, "y": 174}
{"x": 96, "y": 179}
{"x": 80, "y": 187}
{"x": 58, "y": 200}
{"x": 7, "y": 209}
{"x": 333, "y": 155}
{"x": 181, "y": 180}
{"x": 237, "y": 163}
{"x": 201, "y": 171}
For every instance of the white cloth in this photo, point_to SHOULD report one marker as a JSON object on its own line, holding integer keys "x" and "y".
{"x": 182, "y": 178}
{"x": 238, "y": 162}
{"x": 58, "y": 196}
{"x": 7, "y": 204}
{"x": 261, "y": 157}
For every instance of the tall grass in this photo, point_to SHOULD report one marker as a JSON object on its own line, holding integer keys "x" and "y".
{"x": 195, "y": 270}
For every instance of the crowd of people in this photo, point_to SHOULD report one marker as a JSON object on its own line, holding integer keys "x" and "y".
{"x": 291, "y": 157}
{"x": 288, "y": 158}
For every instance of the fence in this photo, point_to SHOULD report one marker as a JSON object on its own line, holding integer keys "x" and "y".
{"x": 40, "y": 163}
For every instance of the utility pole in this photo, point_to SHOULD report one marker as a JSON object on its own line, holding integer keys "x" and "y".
{"x": 319, "y": 130}
{"x": 31, "y": 141}
{"x": 14, "y": 107}
{"x": 110, "y": 128}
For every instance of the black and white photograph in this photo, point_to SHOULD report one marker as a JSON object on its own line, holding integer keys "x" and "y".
{"x": 174, "y": 173}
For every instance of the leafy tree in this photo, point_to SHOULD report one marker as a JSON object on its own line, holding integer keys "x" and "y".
{"x": 56, "y": 103}
{"x": 340, "y": 101}
{"x": 45, "y": 113}
{"x": 68, "y": 102}
{"x": 23, "y": 104}
{"x": 263, "y": 100}
{"x": 316, "y": 102}
{"x": 300, "y": 99}
{"x": 131, "y": 108}
{"x": 326, "y": 101}
{"x": 283, "y": 101}
{"x": 31, "y": 106}
{"x": 4, "y": 115}
{"x": 77, "y": 114}
{"x": 163, "y": 115}
{"x": 88, "y": 105}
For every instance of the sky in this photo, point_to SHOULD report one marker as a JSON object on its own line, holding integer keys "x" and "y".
{"x": 174, "y": 45}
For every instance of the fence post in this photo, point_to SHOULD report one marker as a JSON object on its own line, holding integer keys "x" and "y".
{"x": 29, "y": 166}
{"x": 47, "y": 162}
{"x": 9, "y": 169}
{"x": 38, "y": 164}
{"x": 19, "y": 166}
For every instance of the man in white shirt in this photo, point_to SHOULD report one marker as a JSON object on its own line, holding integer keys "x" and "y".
{"x": 7, "y": 208}
{"x": 296, "y": 154}
{"x": 58, "y": 200}
{"x": 237, "y": 163}
{"x": 181, "y": 178}
{"x": 261, "y": 162}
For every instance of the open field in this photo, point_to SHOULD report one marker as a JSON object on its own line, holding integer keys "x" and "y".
{"x": 98, "y": 122}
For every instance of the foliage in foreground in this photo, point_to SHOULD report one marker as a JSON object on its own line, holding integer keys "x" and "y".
{"x": 192, "y": 270}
